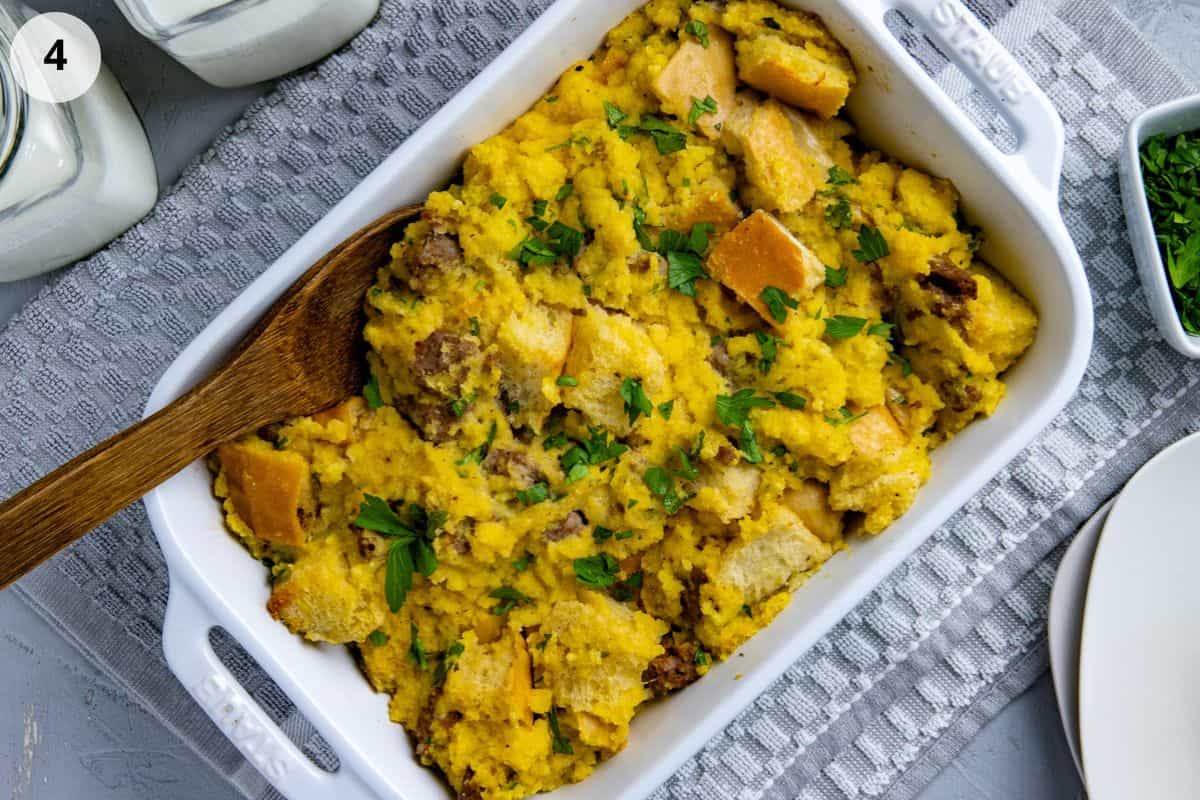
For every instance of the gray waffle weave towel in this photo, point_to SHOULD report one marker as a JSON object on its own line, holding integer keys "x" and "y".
{"x": 881, "y": 703}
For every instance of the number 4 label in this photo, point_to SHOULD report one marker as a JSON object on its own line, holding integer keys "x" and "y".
{"x": 55, "y": 56}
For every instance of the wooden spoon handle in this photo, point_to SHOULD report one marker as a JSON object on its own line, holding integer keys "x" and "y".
{"x": 75, "y": 498}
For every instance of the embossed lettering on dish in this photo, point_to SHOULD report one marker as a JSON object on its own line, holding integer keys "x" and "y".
{"x": 240, "y": 721}
{"x": 982, "y": 53}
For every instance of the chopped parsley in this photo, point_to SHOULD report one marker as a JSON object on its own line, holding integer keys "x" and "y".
{"x": 448, "y": 663}
{"x": 626, "y": 590}
{"x": 636, "y": 401}
{"x": 566, "y": 191}
{"x": 538, "y": 493}
{"x": 478, "y": 454}
{"x": 735, "y": 410}
{"x": 701, "y": 659}
{"x": 778, "y": 302}
{"x": 597, "y": 572}
{"x": 561, "y": 744}
{"x": 844, "y": 417}
{"x": 602, "y": 534}
{"x": 687, "y": 470}
{"x": 701, "y": 107}
{"x": 872, "y": 245}
{"x": 566, "y": 380}
{"x": 596, "y": 449}
{"x": 839, "y": 214}
{"x": 840, "y": 177}
{"x": 539, "y": 208}
{"x": 555, "y": 440}
{"x": 905, "y": 365}
{"x": 509, "y": 599}
{"x": 667, "y": 138}
{"x": 772, "y": 23}
{"x": 576, "y": 473}
{"x": 1171, "y": 167}
{"x": 416, "y": 650}
{"x": 371, "y": 393}
{"x": 574, "y": 140}
{"x": 522, "y": 563}
{"x": 844, "y": 327}
{"x": 498, "y": 200}
{"x": 614, "y": 116}
{"x": 836, "y": 277}
{"x": 883, "y": 329}
{"x": 662, "y": 485}
{"x": 769, "y": 345}
{"x": 666, "y": 408}
{"x": 698, "y": 29}
{"x": 789, "y": 400}
{"x": 460, "y": 406}
{"x": 378, "y": 638}
{"x": 473, "y": 326}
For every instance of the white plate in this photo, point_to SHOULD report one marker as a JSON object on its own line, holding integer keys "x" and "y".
{"x": 1139, "y": 681}
{"x": 1064, "y": 628}
{"x": 897, "y": 107}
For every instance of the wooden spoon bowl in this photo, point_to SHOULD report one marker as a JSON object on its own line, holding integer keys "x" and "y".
{"x": 304, "y": 356}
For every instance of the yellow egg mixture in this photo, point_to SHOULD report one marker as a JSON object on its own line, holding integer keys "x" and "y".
{"x": 668, "y": 344}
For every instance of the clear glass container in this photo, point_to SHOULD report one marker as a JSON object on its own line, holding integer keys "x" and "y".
{"x": 237, "y": 42}
{"x": 72, "y": 175}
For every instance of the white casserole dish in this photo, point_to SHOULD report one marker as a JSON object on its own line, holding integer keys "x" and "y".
{"x": 896, "y": 107}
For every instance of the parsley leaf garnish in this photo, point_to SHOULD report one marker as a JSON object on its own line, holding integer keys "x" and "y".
{"x": 844, "y": 327}
{"x": 636, "y": 401}
{"x": 371, "y": 393}
{"x": 698, "y": 29}
{"x": 416, "y": 650}
{"x": 773, "y": 24}
{"x": 778, "y": 302}
{"x": 667, "y": 138}
{"x": 735, "y": 410}
{"x": 561, "y": 743}
{"x": 883, "y": 329}
{"x": 613, "y": 115}
{"x": 498, "y": 200}
{"x": 566, "y": 191}
{"x": 522, "y": 563}
{"x": 836, "y": 277}
{"x": 378, "y": 638}
{"x": 666, "y": 408}
{"x": 1171, "y": 167}
{"x": 845, "y": 417}
{"x": 479, "y": 453}
{"x": 769, "y": 345}
{"x": 448, "y": 663}
{"x": 840, "y": 177}
{"x": 538, "y": 493}
{"x": 509, "y": 599}
{"x": 660, "y": 484}
{"x": 872, "y": 245}
{"x": 838, "y": 214}
{"x": 701, "y": 107}
{"x": 789, "y": 400}
{"x": 598, "y": 571}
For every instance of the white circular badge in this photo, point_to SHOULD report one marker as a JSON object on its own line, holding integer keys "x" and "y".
{"x": 55, "y": 57}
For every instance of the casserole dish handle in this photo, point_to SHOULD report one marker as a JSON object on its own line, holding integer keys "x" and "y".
{"x": 961, "y": 37}
{"x": 238, "y": 716}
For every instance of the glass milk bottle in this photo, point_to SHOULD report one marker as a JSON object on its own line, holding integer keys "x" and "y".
{"x": 237, "y": 42}
{"x": 73, "y": 175}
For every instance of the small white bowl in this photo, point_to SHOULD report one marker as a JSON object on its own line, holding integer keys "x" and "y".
{"x": 1178, "y": 116}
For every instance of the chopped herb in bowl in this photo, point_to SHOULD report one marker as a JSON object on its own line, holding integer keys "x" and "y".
{"x": 1171, "y": 166}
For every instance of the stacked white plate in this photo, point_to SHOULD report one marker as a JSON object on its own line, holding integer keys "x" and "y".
{"x": 1124, "y": 633}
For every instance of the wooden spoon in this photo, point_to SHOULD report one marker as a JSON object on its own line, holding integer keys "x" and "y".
{"x": 302, "y": 357}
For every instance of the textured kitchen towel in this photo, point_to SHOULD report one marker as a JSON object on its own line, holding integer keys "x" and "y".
{"x": 882, "y": 702}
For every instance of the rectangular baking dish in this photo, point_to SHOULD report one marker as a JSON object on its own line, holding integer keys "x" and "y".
{"x": 896, "y": 107}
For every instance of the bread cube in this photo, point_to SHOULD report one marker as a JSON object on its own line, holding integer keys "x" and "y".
{"x": 728, "y": 492}
{"x": 606, "y": 348}
{"x": 791, "y": 74}
{"x": 785, "y": 161}
{"x": 533, "y": 347}
{"x": 492, "y": 680}
{"x": 876, "y": 433}
{"x": 761, "y": 252}
{"x": 697, "y": 72}
{"x": 605, "y": 683}
{"x": 345, "y": 412}
{"x": 269, "y": 489}
{"x": 810, "y": 502}
{"x": 711, "y": 204}
{"x": 753, "y": 570}
{"x": 324, "y": 598}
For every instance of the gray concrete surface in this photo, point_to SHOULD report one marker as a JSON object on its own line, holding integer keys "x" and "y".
{"x": 67, "y": 731}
